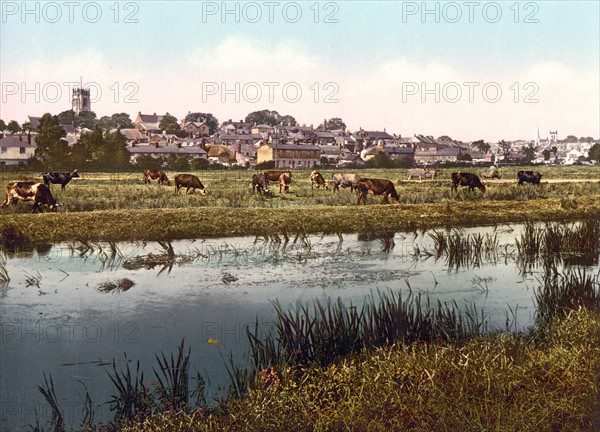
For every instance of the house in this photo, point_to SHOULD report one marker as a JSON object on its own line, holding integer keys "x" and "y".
{"x": 398, "y": 152}
{"x": 351, "y": 159}
{"x": 219, "y": 153}
{"x": 156, "y": 151}
{"x": 231, "y": 127}
{"x": 148, "y": 123}
{"x": 197, "y": 129}
{"x": 131, "y": 135}
{"x": 324, "y": 138}
{"x": 290, "y": 155}
{"x": 262, "y": 129}
{"x": 16, "y": 149}
{"x": 332, "y": 153}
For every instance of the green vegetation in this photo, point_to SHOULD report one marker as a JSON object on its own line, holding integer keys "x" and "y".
{"x": 118, "y": 206}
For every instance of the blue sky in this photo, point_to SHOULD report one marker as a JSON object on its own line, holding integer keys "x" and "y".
{"x": 372, "y": 58}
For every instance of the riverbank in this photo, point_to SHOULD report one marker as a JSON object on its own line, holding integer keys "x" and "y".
{"x": 208, "y": 222}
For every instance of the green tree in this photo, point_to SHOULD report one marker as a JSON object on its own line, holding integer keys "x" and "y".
{"x": 594, "y": 153}
{"x": 87, "y": 150}
{"x": 114, "y": 152}
{"x": 288, "y": 120}
{"x": 13, "y": 127}
{"x": 115, "y": 121}
{"x": 2, "y": 126}
{"x": 466, "y": 157}
{"x": 86, "y": 119}
{"x": 199, "y": 164}
{"x": 27, "y": 127}
{"x": 178, "y": 162}
{"x": 67, "y": 117}
{"x": 571, "y": 139}
{"x": 52, "y": 150}
{"x": 211, "y": 120}
{"x": 105, "y": 123}
{"x": 505, "y": 147}
{"x": 169, "y": 124}
{"x": 148, "y": 162}
{"x": 546, "y": 154}
{"x": 529, "y": 153}
{"x": 336, "y": 124}
{"x": 380, "y": 160}
{"x": 481, "y": 145}
{"x": 271, "y": 118}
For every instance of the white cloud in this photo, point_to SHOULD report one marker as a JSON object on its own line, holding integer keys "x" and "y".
{"x": 372, "y": 96}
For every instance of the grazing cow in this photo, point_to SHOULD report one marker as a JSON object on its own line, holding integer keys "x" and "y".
{"x": 345, "y": 180}
{"x": 466, "y": 179}
{"x": 260, "y": 182}
{"x": 284, "y": 181}
{"x": 317, "y": 179}
{"x": 490, "y": 173}
{"x": 423, "y": 173}
{"x": 61, "y": 178}
{"x": 188, "y": 181}
{"x": 274, "y": 175}
{"x": 529, "y": 177}
{"x": 376, "y": 187}
{"x": 154, "y": 174}
{"x": 38, "y": 193}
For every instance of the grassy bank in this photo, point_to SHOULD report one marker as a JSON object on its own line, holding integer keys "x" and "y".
{"x": 210, "y": 222}
{"x": 496, "y": 383}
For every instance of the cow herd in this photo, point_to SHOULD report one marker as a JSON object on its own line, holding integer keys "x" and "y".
{"x": 39, "y": 193}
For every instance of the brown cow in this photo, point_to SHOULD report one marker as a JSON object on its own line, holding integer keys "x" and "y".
{"x": 285, "y": 178}
{"x": 345, "y": 180}
{"x": 38, "y": 193}
{"x": 188, "y": 181}
{"x": 260, "y": 183}
{"x": 274, "y": 175}
{"x": 376, "y": 187}
{"x": 317, "y": 179}
{"x": 154, "y": 174}
{"x": 466, "y": 179}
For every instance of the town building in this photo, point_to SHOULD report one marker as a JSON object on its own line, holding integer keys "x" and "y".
{"x": 290, "y": 155}
{"x": 16, "y": 149}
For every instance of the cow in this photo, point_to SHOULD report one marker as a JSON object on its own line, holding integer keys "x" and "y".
{"x": 317, "y": 179}
{"x": 188, "y": 181}
{"x": 61, "y": 178}
{"x": 345, "y": 180}
{"x": 154, "y": 174}
{"x": 274, "y": 175}
{"x": 376, "y": 187}
{"x": 490, "y": 173}
{"x": 38, "y": 193}
{"x": 466, "y": 179}
{"x": 260, "y": 183}
{"x": 285, "y": 178}
{"x": 423, "y": 173}
{"x": 529, "y": 177}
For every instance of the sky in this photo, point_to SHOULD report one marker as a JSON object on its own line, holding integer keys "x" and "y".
{"x": 468, "y": 69}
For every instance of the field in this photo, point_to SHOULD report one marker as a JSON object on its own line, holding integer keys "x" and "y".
{"x": 119, "y": 206}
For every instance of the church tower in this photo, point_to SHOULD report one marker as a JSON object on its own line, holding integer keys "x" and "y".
{"x": 81, "y": 100}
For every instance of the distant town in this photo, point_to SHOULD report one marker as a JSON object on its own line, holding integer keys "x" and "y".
{"x": 266, "y": 137}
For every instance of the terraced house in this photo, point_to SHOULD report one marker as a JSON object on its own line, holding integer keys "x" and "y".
{"x": 290, "y": 155}
{"x": 15, "y": 149}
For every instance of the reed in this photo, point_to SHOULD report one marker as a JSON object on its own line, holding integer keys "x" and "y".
{"x": 173, "y": 378}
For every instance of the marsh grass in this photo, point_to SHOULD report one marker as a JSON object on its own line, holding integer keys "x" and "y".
{"x": 57, "y": 423}
{"x": 119, "y": 285}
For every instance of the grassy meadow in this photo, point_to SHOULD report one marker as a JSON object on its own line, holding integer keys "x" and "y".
{"x": 119, "y": 206}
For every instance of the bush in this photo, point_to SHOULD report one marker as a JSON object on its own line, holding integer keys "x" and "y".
{"x": 265, "y": 165}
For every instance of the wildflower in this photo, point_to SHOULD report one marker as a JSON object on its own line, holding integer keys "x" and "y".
{"x": 213, "y": 341}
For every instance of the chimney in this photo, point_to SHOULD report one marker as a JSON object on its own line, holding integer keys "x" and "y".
{"x": 29, "y": 137}
{"x": 178, "y": 145}
{"x": 239, "y": 147}
{"x": 230, "y": 121}
{"x": 154, "y": 114}
{"x": 20, "y": 137}
{"x": 156, "y": 144}
{"x": 241, "y": 121}
{"x": 133, "y": 144}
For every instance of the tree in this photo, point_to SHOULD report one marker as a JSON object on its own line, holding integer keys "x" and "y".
{"x": 335, "y": 124}
{"x": 466, "y": 157}
{"x": 87, "y": 149}
{"x": 67, "y": 117}
{"x": 114, "y": 153}
{"x": 27, "y": 127}
{"x": 271, "y": 118}
{"x": 546, "y": 154}
{"x": 115, "y": 121}
{"x": 211, "y": 120}
{"x": 86, "y": 119}
{"x": 178, "y": 162}
{"x": 199, "y": 164}
{"x": 571, "y": 139}
{"x": 505, "y": 147}
{"x": 2, "y": 126}
{"x": 594, "y": 153}
{"x": 13, "y": 127}
{"x": 52, "y": 150}
{"x": 104, "y": 123}
{"x": 288, "y": 120}
{"x": 169, "y": 124}
{"x": 529, "y": 153}
{"x": 481, "y": 145}
{"x": 148, "y": 162}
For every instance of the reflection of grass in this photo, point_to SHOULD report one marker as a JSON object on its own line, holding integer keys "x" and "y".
{"x": 118, "y": 285}
{"x": 33, "y": 280}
